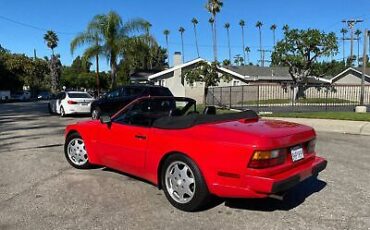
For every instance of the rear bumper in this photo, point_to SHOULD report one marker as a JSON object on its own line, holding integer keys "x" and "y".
{"x": 78, "y": 109}
{"x": 259, "y": 187}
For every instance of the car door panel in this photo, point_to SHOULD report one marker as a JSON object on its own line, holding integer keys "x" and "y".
{"x": 123, "y": 147}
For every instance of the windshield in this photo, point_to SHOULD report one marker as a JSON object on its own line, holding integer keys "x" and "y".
{"x": 144, "y": 112}
{"x": 79, "y": 95}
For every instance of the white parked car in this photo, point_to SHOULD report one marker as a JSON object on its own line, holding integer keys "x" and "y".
{"x": 72, "y": 102}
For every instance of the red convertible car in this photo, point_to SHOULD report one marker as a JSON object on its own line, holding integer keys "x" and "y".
{"x": 165, "y": 141}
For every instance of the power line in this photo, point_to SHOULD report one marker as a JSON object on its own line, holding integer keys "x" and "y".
{"x": 32, "y": 26}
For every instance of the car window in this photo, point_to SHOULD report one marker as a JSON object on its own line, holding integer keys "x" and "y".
{"x": 160, "y": 91}
{"x": 146, "y": 111}
{"x": 133, "y": 91}
{"x": 138, "y": 114}
{"x": 114, "y": 93}
{"x": 79, "y": 95}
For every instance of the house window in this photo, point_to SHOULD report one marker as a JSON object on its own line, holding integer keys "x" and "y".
{"x": 236, "y": 83}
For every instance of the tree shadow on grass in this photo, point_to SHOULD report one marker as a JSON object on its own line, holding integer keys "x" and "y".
{"x": 293, "y": 198}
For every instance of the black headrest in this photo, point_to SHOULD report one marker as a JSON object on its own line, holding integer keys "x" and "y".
{"x": 210, "y": 110}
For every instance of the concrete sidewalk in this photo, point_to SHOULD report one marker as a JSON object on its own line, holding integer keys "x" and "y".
{"x": 335, "y": 126}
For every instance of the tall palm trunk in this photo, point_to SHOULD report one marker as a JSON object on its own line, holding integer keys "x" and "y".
{"x": 196, "y": 39}
{"x": 215, "y": 39}
{"x": 358, "y": 51}
{"x": 274, "y": 37}
{"x": 228, "y": 43}
{"x": 168, "y": 52}
{"x": 182, "y": 48}
{"x": 243, "y": 43}
{"x": 97, "y": 75}
{"x": 113, "y": 67}
{"x": 344, "y": 50}
{"x": 261, "y": 54}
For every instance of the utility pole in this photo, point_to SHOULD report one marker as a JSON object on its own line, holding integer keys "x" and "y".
{"x": 263, "y": 60}
{"x": 351, "y": 23}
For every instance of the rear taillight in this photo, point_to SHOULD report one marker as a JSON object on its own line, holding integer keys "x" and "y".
{"x": 266, "y": 159}
{"x": 71, "y": 102}
{"x": 311, "y": 146}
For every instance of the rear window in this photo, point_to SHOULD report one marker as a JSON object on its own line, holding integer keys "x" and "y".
{"x": 79, "y": 95}
{"x": 160, "y": 91}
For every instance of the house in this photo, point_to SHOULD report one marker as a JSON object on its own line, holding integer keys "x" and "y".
{"x": 241, "y": 75}
{"x": 351, "y": 76}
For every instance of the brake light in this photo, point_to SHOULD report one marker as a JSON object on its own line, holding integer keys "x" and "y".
{"x": 311, "y": 146}
{"x": 266, "y": 159}
{"x": 71, "y": 102}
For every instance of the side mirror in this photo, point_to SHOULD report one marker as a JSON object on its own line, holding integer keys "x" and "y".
{"x": 105, "y": 119}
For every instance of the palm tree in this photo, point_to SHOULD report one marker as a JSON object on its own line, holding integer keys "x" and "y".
{"x": 93, "y": 39}
{"x": 242, "y": 24}
{"x": 344, "y": 31}
{"x": 247, "y": 50}
{"x": 182, "y": 30}
{"x": 195, "y": 22}
{"x": 227, "y": 27}
{"x": 214, "y": 7}
{"x": 51, "y": 39}
{"x": 358, "y": 33}
{"x": 115, "y": 35}
{"x": 259, "y": 25}
{"x": 273, "y": 29}
{"x": 166, "y": 34}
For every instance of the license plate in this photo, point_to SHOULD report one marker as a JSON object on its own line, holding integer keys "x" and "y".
{"x": 84, "y": 103}
{"x": 297, "y": 153}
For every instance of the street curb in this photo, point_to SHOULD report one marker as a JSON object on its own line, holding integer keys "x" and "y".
{"x": 332, "y": 126}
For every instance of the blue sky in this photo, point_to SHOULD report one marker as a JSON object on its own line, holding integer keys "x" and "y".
{"x": 69, "y": 17}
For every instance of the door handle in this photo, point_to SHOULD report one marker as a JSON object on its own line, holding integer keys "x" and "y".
{"x": 141, "y": 137}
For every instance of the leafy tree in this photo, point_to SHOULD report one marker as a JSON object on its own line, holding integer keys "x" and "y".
{"x": 182, "y": 30}
{"x": 238, "y": 60}
{"x": 18, "y": 70}
{"x": 300, "y": 50}
{"x": 226, "y": 62}
{"x": 114, "y": 34}
{"x": 81, "y": 65}
{"x": 93, "y": 39}
{"x": 207, "y": 73}
{"x": 55, "y": 65}
{"x": 195, "y": 22}
{"x": 227, "y": 27}
{"x": 214, "y": 7}
{"x": 242, "y": 24}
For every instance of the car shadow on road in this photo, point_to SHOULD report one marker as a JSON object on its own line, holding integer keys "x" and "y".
{"x": 293, "y": 198}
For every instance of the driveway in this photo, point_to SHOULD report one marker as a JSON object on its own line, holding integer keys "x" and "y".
{"x": 39, "y": 190}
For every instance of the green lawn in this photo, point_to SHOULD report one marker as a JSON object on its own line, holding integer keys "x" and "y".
{"x": 304, "y": 101}
{"x": 352, "y": 116}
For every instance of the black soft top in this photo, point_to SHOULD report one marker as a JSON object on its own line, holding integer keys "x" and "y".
{"x": 183, "y": 122}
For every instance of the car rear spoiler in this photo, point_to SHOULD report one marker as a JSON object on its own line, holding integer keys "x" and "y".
{"x": 184, "y": 122}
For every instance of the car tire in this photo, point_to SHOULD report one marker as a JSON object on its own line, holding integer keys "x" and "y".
{"x": 183, "y": 183}
{"x": 62, "y": 112}
{"x": 75, "y": 152}
{"x": 95, "y": 113}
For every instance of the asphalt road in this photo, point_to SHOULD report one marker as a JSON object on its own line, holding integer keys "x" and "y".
{"x": 39, "y": 190}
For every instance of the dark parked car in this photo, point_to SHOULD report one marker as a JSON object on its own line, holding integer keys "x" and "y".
{"x": 114, "y": 100}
